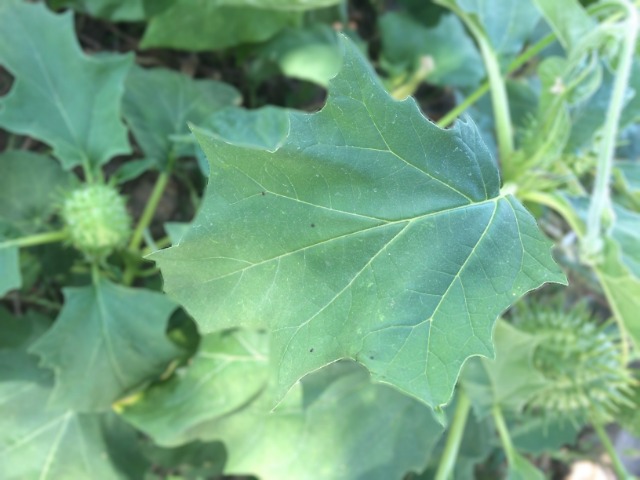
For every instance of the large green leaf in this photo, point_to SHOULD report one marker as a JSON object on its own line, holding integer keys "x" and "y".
{"x": 60, "y": 96}
{"x": 107, "y": 340}
{"x": 210, "y": 24}
{"x": 456, "y": 61}
{"x": 369, "y": 234}
{"x": 158, "y": 103}
{"x": 49, "y": 444}
{"x": 337, "y": 422}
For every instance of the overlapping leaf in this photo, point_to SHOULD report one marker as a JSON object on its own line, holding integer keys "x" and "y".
{"x": 456, "y": 61}
{"x": 337, "y": 422}
{"x": 114, "y": 10}
{"x": 211, "y": 24}
{"x": 37, "y": 442}
{"x": 369, "y": 234}
{"x": 22, "y": 214}
{"x": 507, "y": 24}
{"x": 509, "y": 380}
{"x": 158, "y": 104}
{"x": 60, "y": 96}
{"x": 107, "y": 340}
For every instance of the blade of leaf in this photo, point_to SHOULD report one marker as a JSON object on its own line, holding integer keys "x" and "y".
{"x": 113, "y": 10}
{"x": 10, "y": 276}
{"x": 107, "y": 340}
{"x": 60, "y": 95}
{"x": 40, "y": 443}
{"x": 198, "y": 25}
{"x": 31, "y": 185}
{"x": 178, "y": 410}
{"x": 337, "y": 422}
{"x": 158, "y": 103}
{"x": 370, "y": 234}
{"x": 508, "y": 24}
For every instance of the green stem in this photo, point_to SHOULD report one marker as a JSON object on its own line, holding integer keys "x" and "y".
{"x": 499, "y": 99}
{"x": 454, "y": 438}
{"x": 600, "y": 200}
{"x": 503, "y": 432}
{"x": 37, "y": 239}
{"x": 523, "y": 58}
{"x": 149, "y": 210}
{"x": 616, "y": 463}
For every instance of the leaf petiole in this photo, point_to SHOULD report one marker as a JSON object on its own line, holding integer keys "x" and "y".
{"x": 37, "y": 239}
{"x": 454, "y": 438}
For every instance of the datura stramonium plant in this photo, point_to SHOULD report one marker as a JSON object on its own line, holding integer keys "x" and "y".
{"x": 97, "y": 220}
{"x": 581, "y": 362}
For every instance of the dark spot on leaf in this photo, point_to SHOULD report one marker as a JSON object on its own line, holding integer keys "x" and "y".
{"x": 311, "y": 350}
{"x": 371, "y": 357}
{"x": 263, "y": 193}
{"x": 313, "y": 225}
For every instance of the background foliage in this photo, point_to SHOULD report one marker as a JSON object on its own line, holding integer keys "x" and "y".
{"x": 333, "y": 211}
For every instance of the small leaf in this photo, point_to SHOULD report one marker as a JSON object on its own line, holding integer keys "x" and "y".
{"x": 264, "y": 128}
{"x": 60, "y": 95}
{"x": 31, "y": 185}
{"x": 510, "y": 379}
{"x": 568, "y": 20}
{"x": 369, "y": 234}
{"x": 198, "y": 25}
{"x": 44, "y": 181}
{"x": 107, "y": 340}
{"x": 308, "y": 53}
{"x": 158, "y": 104}
{"x": 456, "y": 61}
{"x": 507, "y": 24}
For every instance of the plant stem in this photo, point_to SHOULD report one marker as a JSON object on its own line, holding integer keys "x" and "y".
{"x": 499, "y": 99}
{"x": 616, "y": 463}
{"x": 503, "y": 432}
{"x": 523, "y": 58}
{"x": 454, "y": 438}
{"x": 37, "y": 239}
{"x": 600, "y": 201}
{"x": 149, "y": 210}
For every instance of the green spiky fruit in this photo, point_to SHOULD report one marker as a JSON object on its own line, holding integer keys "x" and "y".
{"x": 97, "y": 220}
{"x": 580, "y": 361}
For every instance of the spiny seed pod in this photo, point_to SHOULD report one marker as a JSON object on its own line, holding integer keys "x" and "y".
{"x": 97, "y": 220}
{"x": 580, "y": 360}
